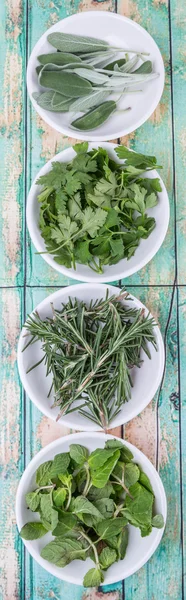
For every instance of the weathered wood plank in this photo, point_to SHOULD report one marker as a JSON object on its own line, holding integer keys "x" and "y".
{"x": 150, "y": 138}
{"x": 156, "y": 432}
{"x": 178, "y": 20}
{"x": 40, "y": 431}
{"x": 11, "y": 445}
{"x": 182, "y": 419}
{"x": 12, "y": 66}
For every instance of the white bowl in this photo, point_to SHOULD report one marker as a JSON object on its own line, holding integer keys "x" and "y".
{"x": 146, "y": 379}
{"x": 139, "y": 549}
{"x": 146, "y": 249}
{"x": 118, "y": 31}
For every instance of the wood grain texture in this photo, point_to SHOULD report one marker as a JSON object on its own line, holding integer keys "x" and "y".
{"x": 159, "y": 431}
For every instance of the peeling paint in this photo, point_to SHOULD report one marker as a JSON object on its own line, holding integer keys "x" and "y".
{"x": 48, "y": 431}
{"x": 129, "y": 8}
{"x": 141, "y": 432}
{"x": 95, "y": 595}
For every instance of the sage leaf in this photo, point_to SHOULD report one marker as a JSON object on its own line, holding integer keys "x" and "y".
{"x": 33, "y": 531}
{"x": 119, "y": 62}
{"x": 158, "y": 521}
{"x": 93, "y": 76}
{"x": 58, "y": 58}
{"x": 43, "y": 473}
{"x": 45, "y": 100}
{"x": 83, "y": 104}
{"x": 78, "y": 453}
{"x": 107, "y": 557}
{"x": 68, "y": 84}
{"x": 126, "y": 68}
{"x": 95, "y": 117}
{"x": 60, "y": 464}
{"x": 66, "y": 42}
{"x": 146, "y": 67}
{"x": 33, "y": 500}
{"x": 93, "y": 578}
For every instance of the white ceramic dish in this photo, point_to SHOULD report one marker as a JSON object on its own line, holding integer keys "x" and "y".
{"x": 146, "y": 379}
{"x": 139, "y": 549}
{"x": 118, "y": 31}
{"x": 144, "y": 253}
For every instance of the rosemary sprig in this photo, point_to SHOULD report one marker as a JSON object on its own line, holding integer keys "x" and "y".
{"x": 90, "y": 351}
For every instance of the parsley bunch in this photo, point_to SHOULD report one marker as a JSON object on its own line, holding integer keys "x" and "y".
{"x": 90, "y": 350}
{"x": 87, "y": 501}
{"x": 94, "y": 211}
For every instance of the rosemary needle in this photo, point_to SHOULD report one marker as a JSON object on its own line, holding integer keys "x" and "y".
{"x": 90, "y": 351}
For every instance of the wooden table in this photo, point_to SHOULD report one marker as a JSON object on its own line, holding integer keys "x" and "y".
{"x": 25, "y": 279}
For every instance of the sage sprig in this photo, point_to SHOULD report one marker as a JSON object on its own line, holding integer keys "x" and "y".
{"x": 82, "y": 67}
{"x": 90, "y": 350}
{"x": 88, "y": 501}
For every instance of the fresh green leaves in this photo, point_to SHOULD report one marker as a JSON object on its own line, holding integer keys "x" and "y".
{"x": 43, "y": 473}
{"x": 66, "y": 42}
{"x": 78, "y": 453}
{"x": 95, "y": 117}
{"x": 93, "y": 578}
{"x": 33, "y": 531}
{"x": 90, "y": 524}
{"x": 82, "y": 356}
{"x": 94, "y": 211}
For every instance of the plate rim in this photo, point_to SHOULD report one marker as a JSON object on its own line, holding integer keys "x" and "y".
{"x": 90, "y": 426}
{"x": 105, "y": 278}
{"x": 87, "y": 136}
{"x": 75, "y": 437}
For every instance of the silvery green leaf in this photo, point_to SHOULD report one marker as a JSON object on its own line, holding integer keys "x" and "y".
{"x": 129, "y": 64}
{"x": 83, "y": 104}
{"x": 67, "y": 42}
{"x": 92, "y": 76}
{"x": 45, "y": 100}
{"x": 101, "y": 60}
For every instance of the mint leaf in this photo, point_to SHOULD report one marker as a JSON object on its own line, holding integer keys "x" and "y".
{"x": 60, "y": 464}
{"x": 101, "y": 475}
{"x": 33, "y": 531}
{"x": 99, "y": 493}
{"x": 98, "y": 457}
{"x": 158, "y": 521}
{"x": 59, "y": 496}
{"x": 33, "y": 500}
{"x": 140, "y": 507}
{"x": 125, "y": 453}
{"x": 83, "y": 505}
{"x": 61, "y": 552}
{"x": 107, "y": 557}
{"x": 110, "y": 527}
{"x": 66, "y": 522}
{"x": 46, "y": 508}
{"x": 131, "y": 474}
{"x": 145, "y": 481}
{"x": 43, "y": 473}
{"x": 105, "y": 507}
{"x": 93, "y": 578}
{"x": 78, "y": 453}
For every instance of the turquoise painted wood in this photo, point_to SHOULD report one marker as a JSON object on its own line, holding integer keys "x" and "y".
{"x": 26, "y": 143}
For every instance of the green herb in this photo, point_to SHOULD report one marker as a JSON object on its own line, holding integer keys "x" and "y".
{"x": 95, "y": 117}
{"x": 45, "y": 100}
{"x": 58, "y": 58}
{"x": 88, "y": 59}
{"x": 90, "y": 524}
{"x": 94, "y": 211}
{"x": 67, "y": 84}
{"x": 90, "y": 350}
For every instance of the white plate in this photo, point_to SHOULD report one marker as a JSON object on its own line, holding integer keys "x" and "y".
{"x": 146, "y": 249}
{"x": 146, "y": 379}
{"x": 118, "y": 31}
{"x": 139, "y": 549}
